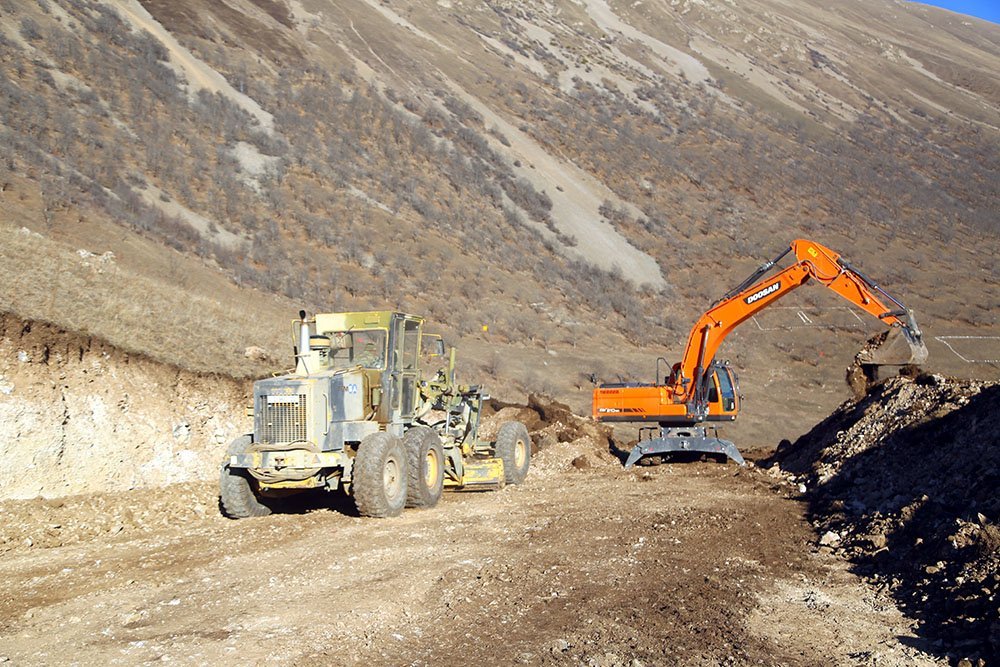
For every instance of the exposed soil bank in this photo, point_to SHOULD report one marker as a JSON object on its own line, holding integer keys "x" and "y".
{"x": 904, "y": 484}
{"x": 77, "y": 416}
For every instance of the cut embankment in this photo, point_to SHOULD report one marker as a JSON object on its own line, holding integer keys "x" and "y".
{"x": 78, "y": 415}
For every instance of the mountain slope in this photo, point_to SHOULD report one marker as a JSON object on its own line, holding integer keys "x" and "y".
{"x": 612, "y": 166}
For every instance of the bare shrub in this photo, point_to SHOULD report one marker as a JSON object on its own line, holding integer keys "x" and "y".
{"x": 30, "y": 29}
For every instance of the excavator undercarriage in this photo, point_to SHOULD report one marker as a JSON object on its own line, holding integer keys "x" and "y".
{"x": 673, "y": 439}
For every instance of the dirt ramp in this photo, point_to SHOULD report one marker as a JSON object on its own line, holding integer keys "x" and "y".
{"x": 904, "y": 483}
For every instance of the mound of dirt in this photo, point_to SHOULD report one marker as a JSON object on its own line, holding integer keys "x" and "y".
{"x": 54, "y": 522}
{"x": 904, "y": 483}
{"x": 561, "y": 439}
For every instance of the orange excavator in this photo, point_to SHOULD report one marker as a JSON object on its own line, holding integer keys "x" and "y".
{"x": 700, "y": 389}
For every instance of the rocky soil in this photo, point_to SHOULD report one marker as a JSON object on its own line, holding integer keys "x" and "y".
{"x": 585, "y": 563}
{"x": 903, "y": 483}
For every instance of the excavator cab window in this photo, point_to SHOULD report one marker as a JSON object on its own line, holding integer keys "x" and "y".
{"x": 727, "y": 389}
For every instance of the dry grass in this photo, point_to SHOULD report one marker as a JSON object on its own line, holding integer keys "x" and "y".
{"x": 49, "y": 281}
{"x": 368, "y": 200}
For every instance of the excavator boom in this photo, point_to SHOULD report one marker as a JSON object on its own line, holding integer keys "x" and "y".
{"x": 813, "y": 261}
{"x": 696, "y": 389}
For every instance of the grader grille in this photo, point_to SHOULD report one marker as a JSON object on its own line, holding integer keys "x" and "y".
{"x": 284, "y": 418}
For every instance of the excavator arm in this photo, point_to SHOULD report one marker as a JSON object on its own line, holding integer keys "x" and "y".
{"x": 759, "y": 290}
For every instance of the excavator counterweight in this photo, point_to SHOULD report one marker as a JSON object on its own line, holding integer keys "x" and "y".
{"x": 700, "y": 389}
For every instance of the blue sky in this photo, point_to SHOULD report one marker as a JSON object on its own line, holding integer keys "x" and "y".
{"x": 984, "y": 9}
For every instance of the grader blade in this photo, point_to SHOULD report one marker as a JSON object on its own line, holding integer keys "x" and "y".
{"x": 484, "y": 475}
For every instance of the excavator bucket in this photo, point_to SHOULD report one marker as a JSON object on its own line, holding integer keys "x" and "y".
{"x": 893, "y": 348}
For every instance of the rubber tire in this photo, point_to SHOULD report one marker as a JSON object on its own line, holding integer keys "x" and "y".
{"x": 237, "y": 497}
{"x": 419, "y": 442}
{"x": 376, "y": 452}
{"x": 512, "y": 437}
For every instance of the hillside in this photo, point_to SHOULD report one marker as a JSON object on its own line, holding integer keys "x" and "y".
{"x": 582, "y": 177}
{"x": 561, "y": 188}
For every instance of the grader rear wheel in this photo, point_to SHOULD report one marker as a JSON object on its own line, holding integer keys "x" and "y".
{"x": 426, "y": 467}
{"x": 380, "y": 476}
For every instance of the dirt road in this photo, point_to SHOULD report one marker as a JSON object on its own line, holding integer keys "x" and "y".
{"x": 691, "y": 564}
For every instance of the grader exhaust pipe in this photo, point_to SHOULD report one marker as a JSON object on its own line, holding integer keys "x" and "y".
{"x": 303, "y": 351}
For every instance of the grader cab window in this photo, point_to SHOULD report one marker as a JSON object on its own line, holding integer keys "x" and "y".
{"x": 358, "y": 347}
{"x": 431, "y": 347}
{"x": 411, "y": 344}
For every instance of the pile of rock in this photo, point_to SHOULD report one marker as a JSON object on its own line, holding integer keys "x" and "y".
{"x": 562, "y": 439}
{"x": 904, "y": 482}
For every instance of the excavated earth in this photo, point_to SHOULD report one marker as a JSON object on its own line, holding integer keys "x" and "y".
{"x": 903, "y": 483}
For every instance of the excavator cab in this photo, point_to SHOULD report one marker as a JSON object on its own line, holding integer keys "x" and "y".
{"x": 723, "y": 393}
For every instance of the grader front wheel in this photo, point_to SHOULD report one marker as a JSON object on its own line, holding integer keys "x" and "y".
{"x": 514, "y": 449}
{"x": 380, "y": 476}
{"x": 237, "y": 496}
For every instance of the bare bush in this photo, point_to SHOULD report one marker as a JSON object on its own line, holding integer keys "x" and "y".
{"x": 30, "y": 29}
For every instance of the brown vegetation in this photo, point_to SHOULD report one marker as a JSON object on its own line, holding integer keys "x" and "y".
{"x": 391, "y": 190}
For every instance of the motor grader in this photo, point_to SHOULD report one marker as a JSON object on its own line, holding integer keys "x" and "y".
{"x": 363, "y": 413}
